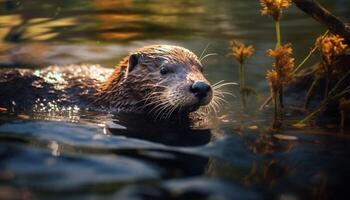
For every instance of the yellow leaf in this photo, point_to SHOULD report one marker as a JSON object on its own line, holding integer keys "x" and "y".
{"x": 299, "y": 125}
{"x": 254, "y": 127}
{"x": 3, "y": 110}
{"x": 23, "y": 116}
{"x": 284, "y": 137}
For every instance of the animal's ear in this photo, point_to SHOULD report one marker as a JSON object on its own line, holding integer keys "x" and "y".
{"x": 133, "y": 61}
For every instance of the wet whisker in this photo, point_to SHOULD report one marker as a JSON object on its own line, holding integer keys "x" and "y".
{"x": 217, "y": 83}
{"x": 224, "y": 84}
{"x": 209, "y": 54}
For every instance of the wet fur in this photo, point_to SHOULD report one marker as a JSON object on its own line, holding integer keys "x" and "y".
{"x": 135, "y": 85}
{"x": 143, "y": 89}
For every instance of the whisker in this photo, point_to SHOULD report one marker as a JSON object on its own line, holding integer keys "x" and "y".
{"x": 228, "y": 93}
{"x": 160, "y": 106}
{"x": 157, "y": 107}
{"x": 221, "y": 99}
{"x": 217, "y": 83}
{"x": 166, "y": 112}
{"x": 170, "y": 112}
{"x": 214, "y": 105}
{"x": 218, "y": 93}
{"x": 179, "y": 110}
{"x": 213, "y": 108}
{"x": 150, "y": 103}
{"x": 162, "y": 111}
{"x": 204, "y": 50}
{"x": 210, "y": 54}
{"x": 150, "y": 96}
{"x": 158, "y": 111}
{"x": 161, "y": 103}
{"x": 224, "y": 84}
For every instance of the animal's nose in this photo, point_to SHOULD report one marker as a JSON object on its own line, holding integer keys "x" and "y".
{"x": 200, "y": 89}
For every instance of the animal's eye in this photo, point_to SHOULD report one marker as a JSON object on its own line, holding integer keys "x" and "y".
{"x": 163, "y": 70}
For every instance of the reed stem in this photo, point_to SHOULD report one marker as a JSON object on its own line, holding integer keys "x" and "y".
{"x": 328, "y": 79}
{"x": 305, "y": 59}
{"x": 310, "y": 90}
{"x": 280, "y": 92}
{"x": 276, "y": 114}
{"x": 325, "y": 102}
{"x": 309, "y": 55}
{"x": 280, "y": 98}
{"x": 242, "y": 84}
{"x": 278, "y": 33}
{"x": 312, "y": 114}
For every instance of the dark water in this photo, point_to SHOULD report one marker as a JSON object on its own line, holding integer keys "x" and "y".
{"x": 78, "y": 154}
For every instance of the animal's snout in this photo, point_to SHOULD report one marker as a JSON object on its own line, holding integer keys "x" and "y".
{"x": 200, "y": 89}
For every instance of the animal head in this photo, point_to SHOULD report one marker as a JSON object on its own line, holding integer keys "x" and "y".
{"x": 160, "y": 80}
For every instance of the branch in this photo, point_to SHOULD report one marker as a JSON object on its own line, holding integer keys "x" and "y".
{"x": 322, "y": 15}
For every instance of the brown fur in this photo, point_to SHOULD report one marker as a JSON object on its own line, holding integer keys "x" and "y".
{"x": 129, "y": 88}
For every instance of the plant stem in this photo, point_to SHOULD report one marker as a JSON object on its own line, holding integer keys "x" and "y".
{"x": 310, "y": 90}
{"x": 316, "y": 111}
{"x": 328, "y": 79}
{"x": 280, "y": 92}
{"x": 275, "y": 116}
{"x": 305, "y": 59}
{"x": 309, "y": 55}
{"x": 280, "y": 98}
{"x": 243, "y": 99}
{"x": 326, "y": 89}
{"x": 339, "y": 82}
{"x": 278, "y": 33}
{"x": 241, "y": 74}
{"x": 278, "y": 44}
{"x": 267, "y": 101}
{"x": 242, "y": 84}
{"x": 324, "y": 103}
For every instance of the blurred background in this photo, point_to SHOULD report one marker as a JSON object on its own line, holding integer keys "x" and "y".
{"x": 37, "y": 33}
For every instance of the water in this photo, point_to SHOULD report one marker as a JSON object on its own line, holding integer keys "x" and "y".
{"x": 86, "y": 155}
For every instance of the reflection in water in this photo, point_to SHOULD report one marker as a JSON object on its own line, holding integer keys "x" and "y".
{"x": 115, "y": 26}
{"x": 63, "y": 157}
{"x": 173, "y": 133}
{"x": 271, "y": 174}
{"x": 266, "y": 145}
{"x": 54, "y": 146}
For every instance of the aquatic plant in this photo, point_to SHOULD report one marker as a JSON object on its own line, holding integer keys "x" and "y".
{"x": 272, "y": 79}
{"x": 284, "y": 63}
{"x": 330, "y": 47}
{"x": 335, "y": 73}
{"x": 241, "y": 52}
{"x": 274, "y": 8}
{"x": 296, "y": 71}
{"x": 334, "y": 94}
{"x": 280, "y": 76}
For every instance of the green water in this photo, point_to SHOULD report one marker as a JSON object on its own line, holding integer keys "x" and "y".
{"x": 90, "y": 157}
